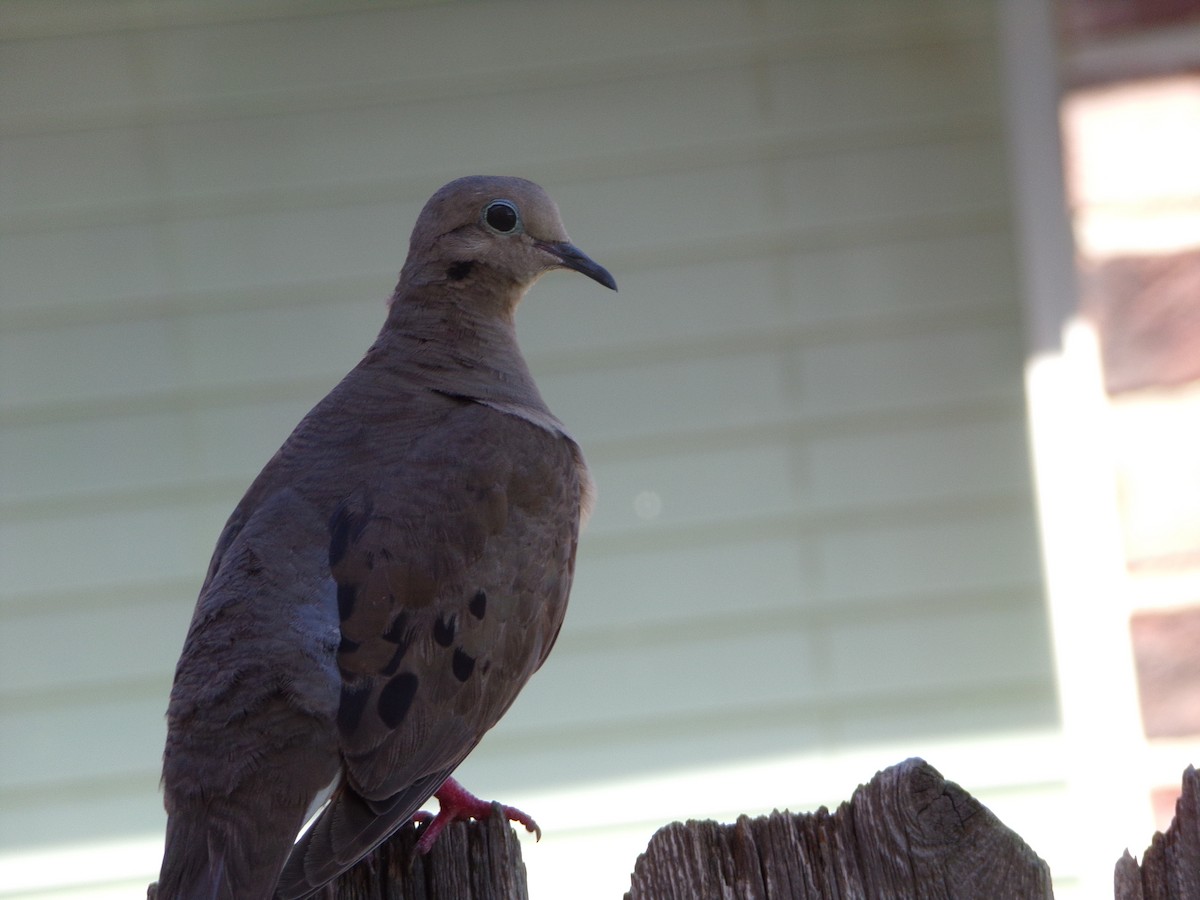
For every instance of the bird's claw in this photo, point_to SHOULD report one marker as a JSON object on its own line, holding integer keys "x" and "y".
{"x": 457, "y": 804}
{"x": 515, "y": 815}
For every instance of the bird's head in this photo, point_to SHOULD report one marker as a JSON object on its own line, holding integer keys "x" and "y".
{"x": 500, "y": 231}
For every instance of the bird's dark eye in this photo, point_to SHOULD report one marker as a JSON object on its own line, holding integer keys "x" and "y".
{"x": 501, "y": 215}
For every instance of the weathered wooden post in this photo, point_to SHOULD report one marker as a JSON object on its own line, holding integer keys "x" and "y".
{"x": 470, "y": 861}
{"x": 1170, "y": 868}
{"x": 909, "y": 833}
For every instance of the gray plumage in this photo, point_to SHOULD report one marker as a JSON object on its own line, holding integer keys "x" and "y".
{"x": 390, "y": 580}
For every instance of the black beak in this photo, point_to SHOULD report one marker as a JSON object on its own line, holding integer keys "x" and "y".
{"x": 573, "y": 258}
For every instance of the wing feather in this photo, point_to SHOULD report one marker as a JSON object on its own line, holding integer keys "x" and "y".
{"x": 452, "y": 579}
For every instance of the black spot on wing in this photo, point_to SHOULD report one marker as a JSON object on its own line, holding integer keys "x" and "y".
{"x": 394, "y": 662}
{"x": 396, "y": 697}
{"x": 478, "y": 604}
{"x": 462, "y": 665}
{"x": 397, "y": 632}
{"x": 400, "y": 634}
{"x": 444, "y": 629}
{"x": 346, "y": 595}
{"x": 350, "y": 709}
{"x": 347, "y": 646}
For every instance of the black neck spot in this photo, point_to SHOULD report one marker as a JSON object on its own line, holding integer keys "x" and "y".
{"x": 460, "y": 270}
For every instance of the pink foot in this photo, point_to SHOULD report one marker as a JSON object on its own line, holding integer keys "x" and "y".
{"x": 457, "y": 804}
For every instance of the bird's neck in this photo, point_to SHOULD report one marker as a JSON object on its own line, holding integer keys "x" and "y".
{"x": 435, "y": 339}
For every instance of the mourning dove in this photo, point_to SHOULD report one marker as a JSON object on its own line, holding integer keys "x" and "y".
{"x": 389, "y": 581}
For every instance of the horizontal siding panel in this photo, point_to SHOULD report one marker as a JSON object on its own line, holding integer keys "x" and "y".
{"x": 655, "y": 587}
{"x": 885, "y": 85}
{"x": 64, "y": 459}
{"x": 242, "y": 347}
{"x": 746, "y": 389}
{"x": 967, "y": 269}
{"x": 87, "y": 362}
{"x": 95, "y": 549}
{"x": 447, "y": 49}
{"x": 881, "y": 468}
{"x": 80, "y": 77}
{"x": 735, "y": 391}
{"x": 985, "y": 710}
{"x": 706, "y": 204}
{"x": 143, "y": 458}
{"x": 953, "y": 554}
{"x": 690, "y": 487}
{"x": 696, "y": 675}
{"x": 61, "y": 171}
{"x": 74, "y": 816}
{"x": 277, "y": 248}
{"x": 164, "y": 258}
{"x": 914, "y": 180}
{"x": 88, "y": 266}
{"x": 43, "y": 746}
{"x": 462, "y": 43}
{"x": 903, "y": 657}
{"x": 912, "y": 371}
{"x": 101, "y": 643}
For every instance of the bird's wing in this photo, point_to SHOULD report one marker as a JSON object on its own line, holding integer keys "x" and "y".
{"x": 253, "y": 705}
{"x": 452, "y": 574}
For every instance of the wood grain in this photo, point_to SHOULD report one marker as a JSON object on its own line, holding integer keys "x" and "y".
{"x": 476, "y": 860}
{"x": 1170, "y": 868}
{"x": 908, "y": 833}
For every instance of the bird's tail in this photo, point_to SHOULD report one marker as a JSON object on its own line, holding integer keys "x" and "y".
{"x": 349, "y": 828}
{"x": 202, "y": 861}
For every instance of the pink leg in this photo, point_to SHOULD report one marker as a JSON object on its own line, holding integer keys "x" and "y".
{"x": 457, "y": 804}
